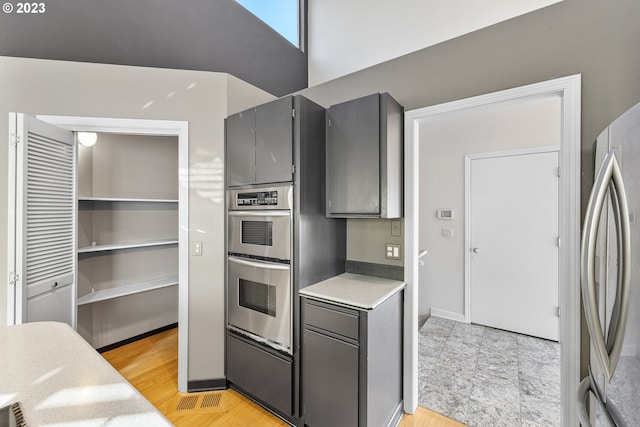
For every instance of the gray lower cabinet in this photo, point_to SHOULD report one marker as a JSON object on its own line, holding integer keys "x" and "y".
{"x": 261, "y": 373}
{"x": 352, "y": 364}
{"x": 331, "y": 365}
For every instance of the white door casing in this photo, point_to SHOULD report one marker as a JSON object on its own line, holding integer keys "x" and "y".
{"x": 180, "y": 129}
{"x": 511, "y": 240}
{"x": 568, "y": 88}
{"x": 41, "y": 237}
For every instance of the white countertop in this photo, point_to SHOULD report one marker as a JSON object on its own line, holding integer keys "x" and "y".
{"x": 354, "y": 290}
{"x": 59, "y": 379}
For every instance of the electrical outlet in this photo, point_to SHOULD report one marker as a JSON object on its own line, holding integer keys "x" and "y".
{"x": 392, "y": 251}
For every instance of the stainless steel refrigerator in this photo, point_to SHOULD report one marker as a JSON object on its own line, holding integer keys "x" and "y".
{"x": 610, "y": 279}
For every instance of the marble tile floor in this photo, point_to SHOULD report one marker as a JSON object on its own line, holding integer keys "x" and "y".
{"x": 482, "y": 376}
{"x": 623, "y": 391}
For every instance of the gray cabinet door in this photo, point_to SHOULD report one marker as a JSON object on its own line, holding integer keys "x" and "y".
{"x": 260, "y": 373}
{"x": 353, "y": 157}
{"x": 274, "y": 141}
{"x": 240, "y": 145}
{"x": 330, "y": 381}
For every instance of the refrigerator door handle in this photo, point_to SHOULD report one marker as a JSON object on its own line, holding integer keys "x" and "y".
{"x": 609, "y": 410}
{"x": 583, "y": 394}
{"x": 621, "y": 302}
{"x": 609, "y": 176}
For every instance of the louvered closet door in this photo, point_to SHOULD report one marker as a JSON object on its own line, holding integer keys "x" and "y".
{"x": 44, "y": 221}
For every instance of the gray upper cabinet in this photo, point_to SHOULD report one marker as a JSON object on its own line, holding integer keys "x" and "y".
{"x": 364, "y": 158}
{"x": 241, "y": 153}
{"x": 260, "y": 144}
{"x": 274, "y": 141}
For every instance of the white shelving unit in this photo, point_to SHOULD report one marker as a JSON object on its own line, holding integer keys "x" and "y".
{"x": 125, "y": 290}
{"x": 126, "y": 245}
{"x": 127, "y": 255}
{"x": 122, "y": 199}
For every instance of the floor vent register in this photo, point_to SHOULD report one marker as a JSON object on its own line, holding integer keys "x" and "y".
{"x": 197, "y": 402}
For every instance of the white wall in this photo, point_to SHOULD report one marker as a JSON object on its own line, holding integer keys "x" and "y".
{"x": 347, "y": 36}
{"x": 445, "y": 140}
{"x": 242, "y": 95}
{"x": 81, "y": 89}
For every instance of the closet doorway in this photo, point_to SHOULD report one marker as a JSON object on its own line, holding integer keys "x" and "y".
{"x": 134, "y": 224}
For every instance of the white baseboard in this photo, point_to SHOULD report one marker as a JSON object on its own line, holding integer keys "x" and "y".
{"x": 629, "y": 350}
{"x": 436, "y": 312}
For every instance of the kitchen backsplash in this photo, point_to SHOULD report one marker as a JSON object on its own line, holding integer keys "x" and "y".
{"x": 367, "y": 240}
{"x": 393, "y": 272}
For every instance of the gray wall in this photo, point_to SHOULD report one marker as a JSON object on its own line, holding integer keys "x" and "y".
{"x": 600, "y": 39}
{"x": 66, "y": 88}
{"x": 207, "y": 35}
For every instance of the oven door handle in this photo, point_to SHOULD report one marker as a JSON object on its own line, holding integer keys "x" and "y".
{"x": 279, "y": 213}
{"x": 259, "y": 264}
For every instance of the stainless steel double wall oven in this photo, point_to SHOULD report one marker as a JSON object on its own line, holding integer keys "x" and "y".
{"x": 279, "y": 240}
{"x": 259, "y": 290}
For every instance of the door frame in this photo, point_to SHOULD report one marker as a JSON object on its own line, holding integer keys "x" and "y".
{"x": 569, "y": 90}
{"x": 180, "y": 129}
{"x": 467, "y": 211}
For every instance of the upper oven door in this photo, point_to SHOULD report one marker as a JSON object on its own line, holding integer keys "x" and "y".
{"x": 259, "y": 300}
{"x": 261, "y": 233}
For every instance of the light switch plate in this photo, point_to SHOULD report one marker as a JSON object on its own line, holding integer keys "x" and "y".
{"x": 196, "y": 249}
{"x": 447, "y": 232}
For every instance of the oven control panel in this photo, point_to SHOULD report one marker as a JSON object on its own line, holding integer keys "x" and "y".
{"x": 258, "y": 198}
{"x": 265, "y": 198}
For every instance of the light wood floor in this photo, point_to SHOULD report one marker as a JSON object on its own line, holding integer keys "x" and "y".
{"x": 151, "y": 366}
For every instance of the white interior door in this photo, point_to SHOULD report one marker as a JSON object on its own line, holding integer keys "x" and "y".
{"x": 513, "y": 242}
{"x": 41, "y": 229}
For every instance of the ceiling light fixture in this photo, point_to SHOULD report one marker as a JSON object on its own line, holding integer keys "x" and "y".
{"x": 88, "y": 139}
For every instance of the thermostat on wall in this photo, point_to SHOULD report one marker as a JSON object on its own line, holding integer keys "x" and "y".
{"x": 444, "y": 213}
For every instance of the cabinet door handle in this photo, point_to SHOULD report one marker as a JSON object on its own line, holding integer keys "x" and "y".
{"x": 54, "y": 285}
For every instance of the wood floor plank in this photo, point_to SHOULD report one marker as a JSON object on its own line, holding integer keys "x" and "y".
{"x": 423, "y": 417}
{"x": 151, "y": 366}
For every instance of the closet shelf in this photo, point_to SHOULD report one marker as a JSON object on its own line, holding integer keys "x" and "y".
{"x": 127, "y": 245}
{"x": 120, "y": 291}
{"x": 123, "y": 199}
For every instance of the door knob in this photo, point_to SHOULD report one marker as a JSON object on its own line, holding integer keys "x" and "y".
{"x": 476, "y": 250}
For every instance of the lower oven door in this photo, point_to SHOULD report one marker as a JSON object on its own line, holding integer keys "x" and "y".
{"x": 259, "y": 301}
